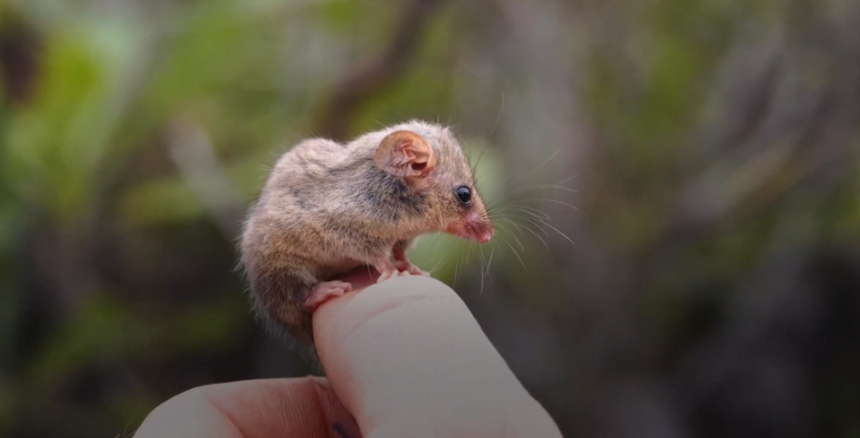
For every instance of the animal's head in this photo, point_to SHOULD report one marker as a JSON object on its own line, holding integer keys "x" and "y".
{"x": 429, "y": 159}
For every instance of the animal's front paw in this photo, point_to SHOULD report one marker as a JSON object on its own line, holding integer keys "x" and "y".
{"x": 387, "y": 275}
{"x": 408, "y": 268}
{"x": 324, "y": 292}
{"x": 386, "y": 269}
{"x": 400, "y": 268}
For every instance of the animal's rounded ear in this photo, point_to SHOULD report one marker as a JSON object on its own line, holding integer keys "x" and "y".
{"x": 405, "y": 154}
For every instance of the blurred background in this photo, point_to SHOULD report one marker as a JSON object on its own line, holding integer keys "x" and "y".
{"x": 678, "y": 185}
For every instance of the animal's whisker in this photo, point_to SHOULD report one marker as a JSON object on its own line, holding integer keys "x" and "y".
{"x": 559, "y": 232}
{"x": 536, "y": 213}
{"x": 481, "y": 250}
{"x": 533, "y": 212}
{"x": 534, "y": 222}
{"x": 540, "y": 167}
{"x": 558, "y": 202}
{"x": 508, "y": 232}
{"x": 436, "y": 266}
{"x": 516, "y": 253}
{"x": 518, "y": 193}
{"x": 457, "y": 267}
{"x": 490, "y": 264}
{"x": 527, "y": 228}
{"x": 547, "y": 187}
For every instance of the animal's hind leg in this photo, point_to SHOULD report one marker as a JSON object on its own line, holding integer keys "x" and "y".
{"x": 279, "y": 293}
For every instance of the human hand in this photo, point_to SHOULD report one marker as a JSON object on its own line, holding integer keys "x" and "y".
{"x": 404, "y": 358}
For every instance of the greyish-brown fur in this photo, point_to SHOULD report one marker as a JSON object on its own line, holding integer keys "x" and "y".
{"x": 327, "y": 208}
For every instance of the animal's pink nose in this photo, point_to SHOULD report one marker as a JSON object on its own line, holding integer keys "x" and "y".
{"x": 485, "y": 236}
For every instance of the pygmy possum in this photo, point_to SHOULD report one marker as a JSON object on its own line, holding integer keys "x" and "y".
{"x": 328, "y": 208}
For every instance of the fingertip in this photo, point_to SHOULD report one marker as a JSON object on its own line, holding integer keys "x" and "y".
{"x": 335, "y": 322}
{"x": 408, "y": 353}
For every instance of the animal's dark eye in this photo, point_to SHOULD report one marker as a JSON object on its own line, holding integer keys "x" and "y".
{"x": 464, "y": 194}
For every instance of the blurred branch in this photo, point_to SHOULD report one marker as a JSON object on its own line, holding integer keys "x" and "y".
{"x": 19, "y": 52}
{"x": 364, "y": 81}
{"x": 795, "y": 129}
{"x": 191, "y": 150}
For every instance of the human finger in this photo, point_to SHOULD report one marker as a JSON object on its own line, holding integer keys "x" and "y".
{"x": 270, "y": 408}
